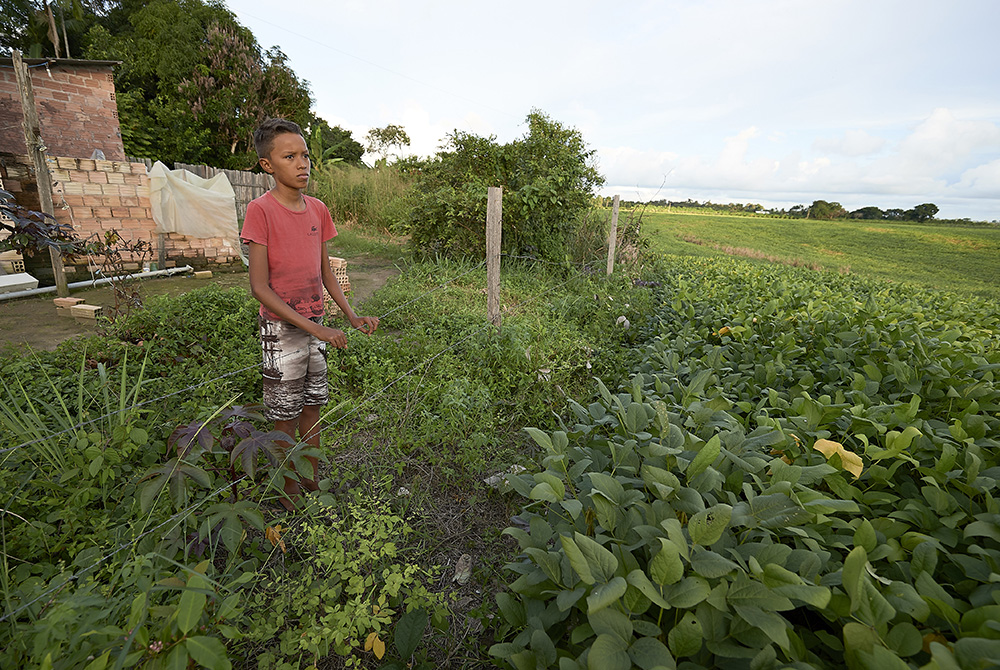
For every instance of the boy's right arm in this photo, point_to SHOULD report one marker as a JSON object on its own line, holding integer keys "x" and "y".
{"x": 261, "y": 289}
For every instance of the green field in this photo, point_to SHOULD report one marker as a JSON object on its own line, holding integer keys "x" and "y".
{"x": 944, "y": 257}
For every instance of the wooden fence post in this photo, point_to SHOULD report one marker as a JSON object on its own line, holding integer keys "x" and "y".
{"x": 494, "y": 215}
{"x": 613, "y": 236}
{"x": 36, "y": 150}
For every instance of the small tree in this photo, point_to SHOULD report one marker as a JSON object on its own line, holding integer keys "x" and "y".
{"x": 382, "y": 140}
{"x": 548, "y": 180}
{"x": 821, "y": 209}
{"x": 924, "y": 212}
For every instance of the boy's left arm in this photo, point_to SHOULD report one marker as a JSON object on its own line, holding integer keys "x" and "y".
{"x": 366, "y": 324}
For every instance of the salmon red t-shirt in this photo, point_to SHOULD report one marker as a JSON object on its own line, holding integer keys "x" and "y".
{"x": 296, "y": 245}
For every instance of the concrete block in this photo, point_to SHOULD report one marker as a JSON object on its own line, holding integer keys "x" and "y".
{"x": 21, "y": 281}
{"x": 67, "y": 302}
{"x": 86, "y": 313}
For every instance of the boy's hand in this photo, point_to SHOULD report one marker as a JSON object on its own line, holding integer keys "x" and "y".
{"x": 333, "y": 336}
{"x": 366, "y": 324}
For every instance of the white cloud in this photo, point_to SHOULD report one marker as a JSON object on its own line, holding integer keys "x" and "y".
{"x": 851, "y": 143}
{"x": 942, "y": 141}
{"x": 982, "y": 180}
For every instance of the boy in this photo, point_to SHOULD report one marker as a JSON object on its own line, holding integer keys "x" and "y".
{"x": 287, "y": 232}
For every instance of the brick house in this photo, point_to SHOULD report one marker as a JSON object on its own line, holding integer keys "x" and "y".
{"x": 94, "y": 192}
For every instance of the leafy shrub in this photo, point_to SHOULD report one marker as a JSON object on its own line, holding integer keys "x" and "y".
{"x": 802, "y": 473}
{"x": 350, "y": 583}
{"x": 209, "y": 333}
{"x": 547, "y": 178}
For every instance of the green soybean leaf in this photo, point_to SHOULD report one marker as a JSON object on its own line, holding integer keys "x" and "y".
{"x": 608, "y": 653}
{"x": 865, "y": 537}
{"x": 852, "y": 575}
{"x": 610, "y": 621}
{"x": 905, "y": 639}
{"x": 711, "y": 565}
{"x": 605, "y": 594}
{"x": 609, "y": 487}
{"x": 566, "y": 599}
{"x": 666, "y": 567}
{"x": 639, "y": 580}
{"x": 704, "y": 458}
{"x": 543, "y": 647}
{"x": 540, "y": 437}
{"x": 511, "y": 609}
{"x": 577, "y": 560}
{"x": 547, "y": 561}
{"x": 573, "y": 506}
{"x": 707, "y": 527}
{"x": 544, "y": 491}
{"x": 688, "y": 592}
{"x": 924, "y": 558}
{"x": 601, "y": 561}
{"x": 685, "y": 639}
{"x": 649, "y": 653}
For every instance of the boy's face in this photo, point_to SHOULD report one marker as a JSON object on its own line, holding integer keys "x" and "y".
{"x": 288, "y": 161}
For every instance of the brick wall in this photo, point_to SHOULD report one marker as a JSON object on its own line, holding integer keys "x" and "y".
{"x": 98, "y": 196}
{"x": 75, "y": 100}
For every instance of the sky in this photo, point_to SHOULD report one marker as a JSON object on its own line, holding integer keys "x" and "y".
{"x": 777, "y": 102}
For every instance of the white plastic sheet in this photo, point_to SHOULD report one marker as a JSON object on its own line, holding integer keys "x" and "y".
{"x": 184, "y": 203}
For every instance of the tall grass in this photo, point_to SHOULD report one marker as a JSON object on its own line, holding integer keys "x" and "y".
{"x": 372, "y": 199}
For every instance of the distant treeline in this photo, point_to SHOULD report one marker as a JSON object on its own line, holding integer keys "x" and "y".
{"x": 819, "y": 209}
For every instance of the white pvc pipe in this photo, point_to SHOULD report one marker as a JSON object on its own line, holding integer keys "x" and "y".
{"x": 90, "y": 283}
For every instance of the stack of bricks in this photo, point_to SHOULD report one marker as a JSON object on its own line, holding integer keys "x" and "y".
{"x": 78, "y": 310}
{"x": 339, "y": 267}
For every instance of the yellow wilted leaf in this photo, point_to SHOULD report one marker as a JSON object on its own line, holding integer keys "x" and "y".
{"x": 725, "y": 330}
{"x": 374, "y": 643}
{"x": 934, "y": 637}
{"x": 850, "y": 460}
{"x": 273, "y": 534}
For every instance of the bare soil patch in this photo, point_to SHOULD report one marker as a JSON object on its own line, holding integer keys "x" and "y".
{"x": 33, "y": 323}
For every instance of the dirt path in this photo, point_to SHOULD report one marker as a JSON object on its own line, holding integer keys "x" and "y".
{"x": 33, "y": 321}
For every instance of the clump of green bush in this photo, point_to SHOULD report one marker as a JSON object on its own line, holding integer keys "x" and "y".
{"x": 548, "y": 179}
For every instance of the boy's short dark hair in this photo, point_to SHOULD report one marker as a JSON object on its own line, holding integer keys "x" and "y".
{"x": 263, "y": 137}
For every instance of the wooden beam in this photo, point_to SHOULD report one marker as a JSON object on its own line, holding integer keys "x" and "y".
{"x": 36, "y": 150}
{"x": 494, "y": 216}
{"x": 613, "y": 236}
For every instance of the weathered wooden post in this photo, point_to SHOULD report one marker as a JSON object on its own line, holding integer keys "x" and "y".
{"x": 36, "y": 150}
{"x": 613, "y": 236}
{"x": 494, "y": 215}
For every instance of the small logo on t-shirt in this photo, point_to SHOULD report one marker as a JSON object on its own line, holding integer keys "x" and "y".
{"x": 314, "y": 229}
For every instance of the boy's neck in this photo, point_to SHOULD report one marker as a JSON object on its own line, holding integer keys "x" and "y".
{"x": 289, "y": 197}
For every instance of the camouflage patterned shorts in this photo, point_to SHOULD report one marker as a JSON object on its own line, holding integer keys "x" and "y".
{"x": 294, "y": 369}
